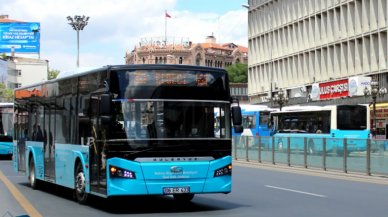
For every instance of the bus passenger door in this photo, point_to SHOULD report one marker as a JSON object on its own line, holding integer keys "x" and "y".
{"x": 21, "y": 128}
{"x": 48, "y": 144}
{"x": 97, "y": 156}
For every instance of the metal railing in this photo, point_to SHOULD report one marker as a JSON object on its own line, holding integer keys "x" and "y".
{"x": 368, "y": 156}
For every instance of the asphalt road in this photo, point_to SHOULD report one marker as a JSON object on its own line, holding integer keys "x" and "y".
{"x": 256, "y": 192}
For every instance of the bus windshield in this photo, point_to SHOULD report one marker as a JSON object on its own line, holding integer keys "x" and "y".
{"x": 6, "y": 124}
{"x": 351, "y": 117}
{"x": 146, "y": 119}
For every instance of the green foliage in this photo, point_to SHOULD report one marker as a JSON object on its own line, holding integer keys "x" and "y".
{"x": 6, "y": 94}
{"x": 53, "y": 73}
{"x": 238, "y": 73}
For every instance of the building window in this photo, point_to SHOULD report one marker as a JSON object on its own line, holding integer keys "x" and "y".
{"x": 198, "y": 60}
{"x": 143, "y": 60}
{"x": 165, "y": 60}
{"x": 156, "y": 60}
{"x": 160, "y": 60}
{"x": 18, "y": 72}
{"x": 180, "y": 60}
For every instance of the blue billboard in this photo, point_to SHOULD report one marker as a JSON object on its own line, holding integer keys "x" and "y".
{"x": 23, "y": 37}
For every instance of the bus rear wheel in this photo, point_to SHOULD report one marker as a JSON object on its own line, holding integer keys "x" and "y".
{"x": 183, "y": 198}
{"x": 32, "y": 177}
{"x": 79, "y": 191}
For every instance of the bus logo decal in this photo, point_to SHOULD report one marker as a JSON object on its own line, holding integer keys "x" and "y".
{"x": 176, "y": 170}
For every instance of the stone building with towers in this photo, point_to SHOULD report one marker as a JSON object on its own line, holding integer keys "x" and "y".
{"x": 182, "y": 51}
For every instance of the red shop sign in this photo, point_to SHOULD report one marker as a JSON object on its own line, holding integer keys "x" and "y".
{"x": 334, "y": 89}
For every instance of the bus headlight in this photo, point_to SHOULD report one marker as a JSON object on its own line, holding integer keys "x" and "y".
{"x": 119, "y": 172}
{"x": 227, "y": 170}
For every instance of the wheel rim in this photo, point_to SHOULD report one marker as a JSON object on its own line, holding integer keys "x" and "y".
{"x": 32, "y": 175}
{"x": 80, "y": 183}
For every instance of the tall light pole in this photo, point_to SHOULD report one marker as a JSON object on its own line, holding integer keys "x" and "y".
{"x": 375, "y": 90}
{"x": 280, "y": 98}
{"x": 78, "y": 23}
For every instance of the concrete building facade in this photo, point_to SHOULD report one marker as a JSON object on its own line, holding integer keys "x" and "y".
{"x": 25, "y": 71}
{"x": 296, "y": 43}
{"x": 317, "y": 51}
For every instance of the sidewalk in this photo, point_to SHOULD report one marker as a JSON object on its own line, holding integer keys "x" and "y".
{"x": 359, "y": 177}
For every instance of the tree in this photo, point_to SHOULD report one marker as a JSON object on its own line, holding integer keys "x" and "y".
{"x": 53, "y": 73}
{"x": 6, "y": 94}
{"x": 238, "y": 73}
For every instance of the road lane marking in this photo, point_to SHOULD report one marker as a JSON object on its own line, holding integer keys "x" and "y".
{"x": 27, "y": 206}
{"x": 295, "y": 191}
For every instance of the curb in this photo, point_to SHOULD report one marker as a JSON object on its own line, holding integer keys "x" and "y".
{"x": 382, "y": 180}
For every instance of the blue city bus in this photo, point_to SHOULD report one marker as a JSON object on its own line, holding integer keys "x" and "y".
{"x": 255, "y": 119}
{"x": 6, "y": 128}
{"x": 309, "y": 125}
{"x": 128, "y": 130}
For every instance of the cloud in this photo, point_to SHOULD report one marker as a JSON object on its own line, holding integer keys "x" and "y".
{"x": 116, "y": 26}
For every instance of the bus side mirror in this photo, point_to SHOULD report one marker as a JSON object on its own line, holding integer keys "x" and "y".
{"x": 105, "y": 105}
{"x": 238, "y": 128}
{"x": 237, "y": 118}
{"x": 236, "y": 115}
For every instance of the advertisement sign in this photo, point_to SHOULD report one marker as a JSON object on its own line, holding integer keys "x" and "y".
{"x": 22, "y": 37}
{"x": 334, "y": 89}
{"x": 358, "y": 84}
{"x": 314, "y": 95}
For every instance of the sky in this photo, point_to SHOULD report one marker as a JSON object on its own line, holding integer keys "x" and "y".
{"x": 117, "y": 26}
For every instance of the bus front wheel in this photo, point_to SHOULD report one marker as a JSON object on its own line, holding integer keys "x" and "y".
{"x": 79, "y": 191}
{"x": 183, "y": 198}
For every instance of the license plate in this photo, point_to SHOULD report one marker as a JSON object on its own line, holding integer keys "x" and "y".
{"x": 176, "y": 190}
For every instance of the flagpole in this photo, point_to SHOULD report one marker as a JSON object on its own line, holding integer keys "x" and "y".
{"x": 165, "y": 27}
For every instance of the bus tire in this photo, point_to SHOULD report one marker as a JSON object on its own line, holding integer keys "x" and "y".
{"x": 311, "y": 148}
{"x": 32, "y": 177}
{"x": 79, "y": 187}
{"x": 183, "y": 198}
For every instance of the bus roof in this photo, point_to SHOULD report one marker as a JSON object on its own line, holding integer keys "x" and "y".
{"x": 88, "y": 70}
{"x": 299, "y": 108}
{"x": 251, "y": 108}
{"x": 6, "y": 104}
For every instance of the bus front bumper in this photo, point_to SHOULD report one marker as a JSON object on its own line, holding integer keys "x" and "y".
{"x": 156, "y": 178}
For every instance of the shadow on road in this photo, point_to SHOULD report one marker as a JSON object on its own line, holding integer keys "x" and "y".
{"x": 140, "y": 204}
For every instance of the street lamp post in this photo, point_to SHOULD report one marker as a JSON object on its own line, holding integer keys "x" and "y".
{"x": 374, "y": 91}
{"x": 78, "y": 23}
{"x": 280, "y": 98}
